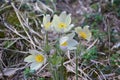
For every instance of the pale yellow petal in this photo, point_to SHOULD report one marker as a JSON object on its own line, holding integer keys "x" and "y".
{"x": 30, "y": 58}
{"x": 46, "y": 19}
{"x": 68, "y": 28}
{"x": 34, "y": 52}
{"x": 89, "y": 35}
{"x": 68, "y": 19}
{"x": 35, "y": 66}
{"x": 55, "y": 23}
{"x": 63, "y": 39}
{"x": 78, "y": 29}
{"x": 63, "y": 16}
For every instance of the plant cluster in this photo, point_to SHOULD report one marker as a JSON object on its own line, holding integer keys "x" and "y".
{"x": 65, "y": 42}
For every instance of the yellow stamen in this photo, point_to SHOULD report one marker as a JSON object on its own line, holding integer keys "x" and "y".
{"x": 83, "y": 35}
{"x": 47, "y": 25}
{"x": 62, "y": 25}
{"x": 39, "y": 58}
{"x": 64, "y": 44}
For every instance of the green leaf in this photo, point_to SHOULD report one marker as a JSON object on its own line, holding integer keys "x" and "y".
{"x": 55, "y": 59}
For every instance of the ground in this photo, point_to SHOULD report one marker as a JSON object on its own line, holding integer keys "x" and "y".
{"x": 21, "y": 30}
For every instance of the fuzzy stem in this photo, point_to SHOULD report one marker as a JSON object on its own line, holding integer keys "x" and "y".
{"x": 76, "y": 66}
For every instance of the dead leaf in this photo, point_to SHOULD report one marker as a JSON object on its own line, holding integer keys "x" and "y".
{"x": 46, "y": 74}
{"x": 8, "y": 72}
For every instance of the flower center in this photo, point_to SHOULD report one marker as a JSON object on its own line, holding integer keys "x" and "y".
{"x": 64, "y": 44}
{"x": 39, "y": 58}
{"x": 83, "y": 35}
{"x": 62, "y": 25}
{"x": 47, "y": 25}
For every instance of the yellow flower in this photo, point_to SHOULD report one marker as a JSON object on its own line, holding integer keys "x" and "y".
{"x": 67, "y": 42}
{"x": 46, "y": 23}
{"x": 37, "y": 59}
{"x": 62, "y": 23}
{"x": 84, "y": 33}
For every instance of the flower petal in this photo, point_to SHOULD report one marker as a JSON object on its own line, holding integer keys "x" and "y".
{"x": 72, "y": 48}
{"x": 68, "y": 28}
{"x": 35, "y": 66}
{"x": 78, "y": 29}
{"x": 55, "y": 23}
{"x": 63, "y": 16}
{"x": 72, "y": 43}
{"x": 63, "y": 48}
{"x": 55, "y": 20}
{"x": 34, "y": 52}
{"x": 46, "y": 19}
{"x": 86, "y": 27}
{"x": 84, "y": 30}
{"x": 68, "y": 19}
{"x": 87, "y": 31}
{"x": 71, "y": 35}
{"x": 30, "y": 58}
{"x": 63, "y": 39}
{"x": 89, "y": 35}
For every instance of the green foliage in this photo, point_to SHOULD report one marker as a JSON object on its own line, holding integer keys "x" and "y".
{"x": 113, "y": 36}
{"x": 5, "y": 9}
{"x": 116, "y": 2}
{"x": 90, "y": 54}
{"x": 97, "y": 34}
{"x": 26, "y": 7}
{"x": 13, "y": 19}
{"x": 2, "y": 34}
{"x": 118, "y": 12}
{"x": 95, "y": 6}
{"x": 47, "y": 48}
{"x": 114, "y": 59}
{"x": 28, "y": 73}
{"x": 8, "y": 44}
{"x": 116, "y": 5}
{"x": 107, "y": 69}
{"x": 117, "y": 71}
{"x": 97, "y": 17}
{"x": 94, "y": 20}
{"x": 56, "y": 59}
{"x": 41, "y": 79}
{"x": 2, "y": 31}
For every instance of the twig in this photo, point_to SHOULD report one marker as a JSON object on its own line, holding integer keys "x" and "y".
{"x": 16, "y": 11}
{"x": 14, "y": 50}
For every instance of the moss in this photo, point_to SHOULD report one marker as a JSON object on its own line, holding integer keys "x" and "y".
{"x": 12, "y": 19}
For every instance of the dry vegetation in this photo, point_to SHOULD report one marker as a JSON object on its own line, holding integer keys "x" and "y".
{"x": 20, "y": 30}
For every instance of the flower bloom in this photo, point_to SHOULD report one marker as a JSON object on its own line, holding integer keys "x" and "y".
{"x": 46, "y": 22}
{"x": 84, "y": 33}
{"x": 67, "y": 42}
{"x": 36, "y": 59}
{"x": 62, "y": 23}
